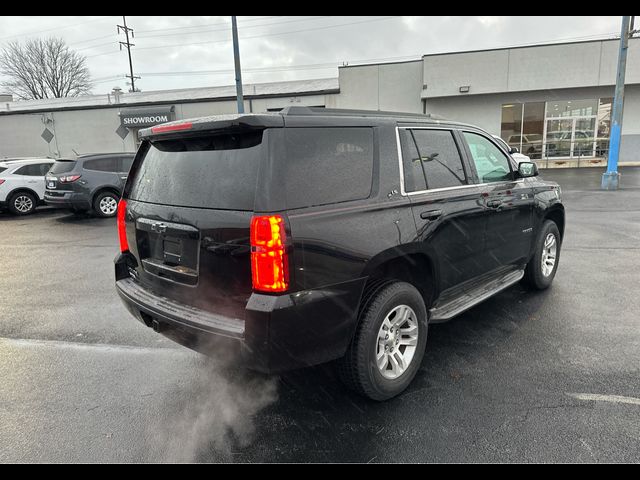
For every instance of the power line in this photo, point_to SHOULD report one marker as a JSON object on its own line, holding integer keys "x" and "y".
{"x": 255, "y": 36}
{"x": 273, "y": 34}
{"x": 244, "y": 27}
{"x": 205, "y": 25}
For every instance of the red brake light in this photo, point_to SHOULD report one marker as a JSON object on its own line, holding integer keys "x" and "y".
{"x": 122, "y": 231}
{"x": 69, "y": 178}
{"x": 269, "y": 262}
{"x": 176, "y": 127}
{"x": 1, "y": 181}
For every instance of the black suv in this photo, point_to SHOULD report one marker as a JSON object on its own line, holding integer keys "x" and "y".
{"x": 314, "y": 235}
{"x": 90, "y": 182}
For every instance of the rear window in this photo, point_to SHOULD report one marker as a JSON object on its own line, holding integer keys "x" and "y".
{"x": 2, "y": 169}
{"x": 62, "y": 166}
{"x": 327, "y": 165}
{"x": 208, "y": 172}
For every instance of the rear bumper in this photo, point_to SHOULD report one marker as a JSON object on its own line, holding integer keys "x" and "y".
{"x": 67, "y": 200}
{"x": 277, "y": 333}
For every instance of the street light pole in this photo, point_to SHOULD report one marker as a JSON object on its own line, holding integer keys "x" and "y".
{"x": 610, "y": 179}
{"x": 236, "y": 59}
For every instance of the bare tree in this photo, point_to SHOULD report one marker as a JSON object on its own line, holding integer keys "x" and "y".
{"x": 43, "y": 69}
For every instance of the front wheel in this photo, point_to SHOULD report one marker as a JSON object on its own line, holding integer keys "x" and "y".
{"x": 389, "y": 344}
{"x": 542, "y": 267}
{"x": 106, "y": 204}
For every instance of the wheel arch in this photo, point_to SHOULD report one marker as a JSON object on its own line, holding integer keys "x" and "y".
{"x": 106, "y": 188}
{"x": 23, "y": 189}
{"x": 409, "y": 263}
{"x": 557, "y": 215}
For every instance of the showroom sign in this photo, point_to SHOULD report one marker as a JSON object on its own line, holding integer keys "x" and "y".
{"x": 146, "y": 117}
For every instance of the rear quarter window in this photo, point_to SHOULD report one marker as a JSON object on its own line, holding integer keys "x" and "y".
{"x": 109, "y": 164}
{"x": 62, "y": 166}
{"x": 327, "y": 165}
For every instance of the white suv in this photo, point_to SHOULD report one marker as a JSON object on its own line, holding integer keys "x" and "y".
{"x": 22, "y": 184}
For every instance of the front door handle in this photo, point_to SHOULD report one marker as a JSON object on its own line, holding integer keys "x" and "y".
{"x": 431, "y": 214}
{"x": 494, "y": 203}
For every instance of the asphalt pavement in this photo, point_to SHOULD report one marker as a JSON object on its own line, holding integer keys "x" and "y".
{"x": 551, "y": 376}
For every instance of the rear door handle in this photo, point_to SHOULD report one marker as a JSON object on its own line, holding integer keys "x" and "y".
{"x": 494, "y": 203}
{"x": 431, "y": 214}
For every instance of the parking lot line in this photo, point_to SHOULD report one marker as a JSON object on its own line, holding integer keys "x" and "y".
{"x": 605, "y": 398}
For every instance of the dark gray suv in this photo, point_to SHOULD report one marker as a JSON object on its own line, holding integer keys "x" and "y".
{"x": 90, "y": 182}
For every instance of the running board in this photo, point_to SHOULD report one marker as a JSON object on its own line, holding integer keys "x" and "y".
{"x": 473, "y": 297}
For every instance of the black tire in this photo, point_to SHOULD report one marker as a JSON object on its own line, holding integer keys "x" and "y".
{"x": 358, "y": 369}
{"x": 110, "y": 198}
{"x": 22, "y": 203}
{"x": 533, "y": 275}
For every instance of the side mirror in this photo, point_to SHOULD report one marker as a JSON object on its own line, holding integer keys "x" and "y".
{"x": 513, "y": 150}
{"x": 527, "y": 169}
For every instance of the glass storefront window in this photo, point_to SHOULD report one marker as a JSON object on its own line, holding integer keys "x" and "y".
{"x": 533, "y": 129}
{"x": 559, "y": 128}
{"x": 604, "y": 124}
{"x": 511, "y": 127}
{"x": 572, "y": 108}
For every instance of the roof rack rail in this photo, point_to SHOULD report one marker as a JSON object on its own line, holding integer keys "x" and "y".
{"x": 353, "y": 113}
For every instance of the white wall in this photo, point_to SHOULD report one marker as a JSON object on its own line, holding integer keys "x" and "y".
{"x": 552, "y": 67}
{"x": 390, "y": 87}
{"x": 94, "y": 130}
{"x": 20, "y": 136}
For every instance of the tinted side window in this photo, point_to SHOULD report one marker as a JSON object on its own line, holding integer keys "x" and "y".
{"x": 414, "y": 176}
{"x": 327, "y": 165}
{"x": 109, "y": 164}
{"x": 491, "y": 163}
{"x": 44, "y": 168}
{"x": 436, "y": 156}
{"x": 126, "y": 164}
{"x": 29, "y": 170}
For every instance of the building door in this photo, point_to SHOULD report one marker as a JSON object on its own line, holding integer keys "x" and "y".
{"x": 570, "y": 137}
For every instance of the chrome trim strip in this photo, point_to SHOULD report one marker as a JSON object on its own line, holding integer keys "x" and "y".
{"x": 402, "y": 190}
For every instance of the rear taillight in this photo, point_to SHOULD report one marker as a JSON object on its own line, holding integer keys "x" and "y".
{"x": 122, "y": 228}
{"x": 269, "y": 262}
{"x": 1, "y": 181}
{"x": 69, "y": 178}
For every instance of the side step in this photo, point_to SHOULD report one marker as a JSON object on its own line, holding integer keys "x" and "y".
{"x": 473, "y": 296}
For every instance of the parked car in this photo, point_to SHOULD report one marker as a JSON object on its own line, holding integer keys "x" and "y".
{"x": 312, "y": 235}
{"x": 22, "y": 184}
{"x": 531, "y": 144}
{"x": 513, "y": 151}
{"x": 90, "y": 182}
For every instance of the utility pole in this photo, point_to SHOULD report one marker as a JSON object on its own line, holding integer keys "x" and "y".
{"x": 128, "y": 46}
{"x": 236, "y": 59}
{"x": 611, "y": 178}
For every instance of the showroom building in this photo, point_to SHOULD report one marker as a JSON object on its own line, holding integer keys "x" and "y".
{"x": 551, "y": 101}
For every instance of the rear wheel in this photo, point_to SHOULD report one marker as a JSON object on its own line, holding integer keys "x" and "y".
{"x": 389, "y": 344}
{"x": 22, "y": 203}
{"x": 106, "y": 204}
{"x": 542, "y": 267}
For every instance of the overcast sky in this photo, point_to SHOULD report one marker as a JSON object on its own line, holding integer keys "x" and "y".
{"x": 168, "y": 50}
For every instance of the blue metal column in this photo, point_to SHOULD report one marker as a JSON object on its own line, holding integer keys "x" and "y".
{"x": 610, "y": 179}
{"x": 236, "y": 59}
